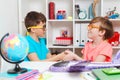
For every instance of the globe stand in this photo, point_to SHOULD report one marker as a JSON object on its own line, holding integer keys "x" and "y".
{"x": 17, "y": 70}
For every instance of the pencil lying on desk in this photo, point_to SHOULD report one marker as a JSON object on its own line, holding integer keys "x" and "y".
{"x": 27, "y": 75}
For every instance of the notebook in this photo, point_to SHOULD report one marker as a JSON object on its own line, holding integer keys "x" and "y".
{"x": 102, "y": 76}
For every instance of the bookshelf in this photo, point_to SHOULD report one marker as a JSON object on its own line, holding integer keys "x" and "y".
{"x": 55, "y": 26}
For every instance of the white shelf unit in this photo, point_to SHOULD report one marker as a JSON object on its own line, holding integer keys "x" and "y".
{"x": 84, "y": 5}
{"x": 109, "y": 5}
{"x": 62, "y": 5}
{"x": 54, "y": 26}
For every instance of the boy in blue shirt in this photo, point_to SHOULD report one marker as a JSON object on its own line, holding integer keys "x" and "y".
{"x": 35, "y": 25}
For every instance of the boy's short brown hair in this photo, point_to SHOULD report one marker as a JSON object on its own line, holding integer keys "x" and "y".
{"x": 105, "y": 25}
{"x": 33, "y": 18}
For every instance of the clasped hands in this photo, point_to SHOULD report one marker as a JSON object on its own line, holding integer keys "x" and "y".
{"x": 69, "y": 55}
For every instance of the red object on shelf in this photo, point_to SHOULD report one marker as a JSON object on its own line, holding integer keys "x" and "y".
{"x": 64, "y": 14}
{"x": 51, "y": 10}
{"x": 119, "y": 38}
{"x": 114, "y": 41}
{"x": 64, "y": 40}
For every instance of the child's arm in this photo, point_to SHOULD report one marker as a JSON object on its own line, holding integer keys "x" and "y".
{"x": 100, "y": 58}
{"x": 49, "y": 55}
{"x": 57, "y": 57}
{"x": 71, "y": 56}
{"x": 66, "y": 55}
{"x": 33, "y": 57}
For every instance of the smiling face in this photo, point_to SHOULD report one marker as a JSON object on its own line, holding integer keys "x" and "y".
{"x": 101, "y": 28}
{"x": 93, "y": 30}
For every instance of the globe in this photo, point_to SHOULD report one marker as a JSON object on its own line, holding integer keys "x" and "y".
{"x": 14, "y": 48}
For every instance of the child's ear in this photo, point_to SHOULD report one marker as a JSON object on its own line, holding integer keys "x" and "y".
{"x": 102, "y": 33}
{"x": 32, "y": 30}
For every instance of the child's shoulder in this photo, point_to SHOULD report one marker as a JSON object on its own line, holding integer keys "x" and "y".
{"x": 28, "y": 37}
{"x": 106, "y": 43}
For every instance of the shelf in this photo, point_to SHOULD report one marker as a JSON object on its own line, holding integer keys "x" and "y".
{"x": 82, "y": 20}
{"x": 88, "y": 20}
{"x": 114, "y": 20}
{"x": 51, "y": 46}
{"x": 59, "y": 20}
{"x": 116, "y": 47}
{"x": 78, "y": 46}
{"x": 54, "y": 26}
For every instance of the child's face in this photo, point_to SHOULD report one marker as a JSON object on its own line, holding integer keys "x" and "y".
{"x": 40, "y": 30}
{"x": 93, "y": 30}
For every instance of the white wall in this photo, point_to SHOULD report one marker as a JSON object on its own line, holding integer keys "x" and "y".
{"x": 8, "y": 18}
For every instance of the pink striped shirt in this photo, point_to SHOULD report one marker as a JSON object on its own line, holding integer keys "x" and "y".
{"x": 90, "y": 53}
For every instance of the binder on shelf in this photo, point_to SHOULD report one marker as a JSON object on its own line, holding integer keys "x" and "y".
{"x": 77, "y": 34}
{"x": 83, "y": 34}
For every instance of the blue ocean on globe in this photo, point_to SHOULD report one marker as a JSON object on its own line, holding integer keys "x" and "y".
{"x": 14, "y": 47}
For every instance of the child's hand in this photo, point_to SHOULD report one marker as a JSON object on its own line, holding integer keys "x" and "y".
{"x": 71, "y": 56}
{"x": 68, "y": 52}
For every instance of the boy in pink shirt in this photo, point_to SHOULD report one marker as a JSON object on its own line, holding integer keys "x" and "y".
{"x": 98, "y": 50}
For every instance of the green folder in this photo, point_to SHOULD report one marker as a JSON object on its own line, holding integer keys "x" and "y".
{"x": 102, "y": 76}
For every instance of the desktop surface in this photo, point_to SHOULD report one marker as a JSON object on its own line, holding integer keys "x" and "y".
{"x": 43, "y": 68}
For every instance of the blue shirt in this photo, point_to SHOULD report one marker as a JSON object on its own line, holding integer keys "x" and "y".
{"x": 37, "y": 47}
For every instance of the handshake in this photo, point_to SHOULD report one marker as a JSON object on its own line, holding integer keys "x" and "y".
{"x": 68, "y": 55}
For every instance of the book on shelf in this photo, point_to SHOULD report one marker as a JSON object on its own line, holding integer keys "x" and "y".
{"x": 77, "y": 35}
{"x": 83, "y": 34}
